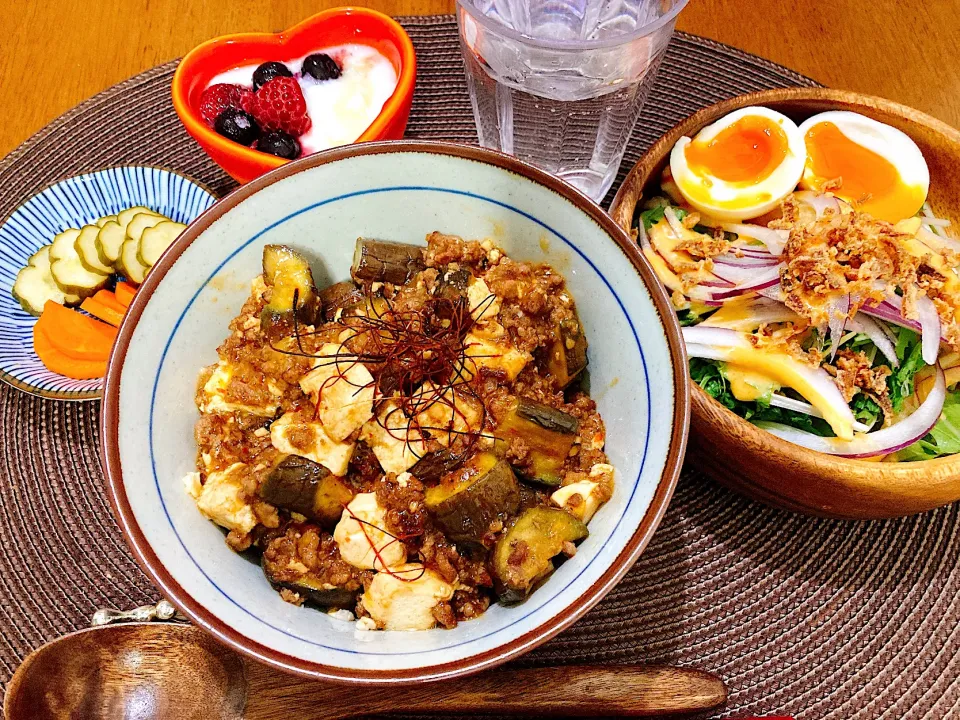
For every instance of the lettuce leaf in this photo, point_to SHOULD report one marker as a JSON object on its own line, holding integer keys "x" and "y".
{"x": 910, "y": 355}
{"x": 943, "y": 439}
{"x": 866, "y": 410}
{"x": 651, "y": 217}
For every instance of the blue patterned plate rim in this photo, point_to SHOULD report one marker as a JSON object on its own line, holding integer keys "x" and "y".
{"x": 73, "y": 202}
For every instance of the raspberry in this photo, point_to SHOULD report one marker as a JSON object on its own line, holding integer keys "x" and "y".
{"x": 217, "y": 98}
{"x": 279, "y": 105}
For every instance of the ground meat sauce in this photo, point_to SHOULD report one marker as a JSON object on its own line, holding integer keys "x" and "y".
{"x": 413, "y": 339}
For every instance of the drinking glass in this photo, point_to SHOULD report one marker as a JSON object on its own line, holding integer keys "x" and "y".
{"x": 560, "y": 83}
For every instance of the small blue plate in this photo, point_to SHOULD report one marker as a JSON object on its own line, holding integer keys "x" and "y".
{"x": 72, "y": 203}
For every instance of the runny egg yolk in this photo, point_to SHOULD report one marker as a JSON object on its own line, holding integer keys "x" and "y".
{"x": 746, "y": 152}
{"x": 859, "y": 175}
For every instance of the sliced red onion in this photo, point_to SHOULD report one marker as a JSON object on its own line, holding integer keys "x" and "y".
{"x": 929, "y": 329}
{"x": 750, "y": 261}
{"x": 703, "y": 294}
{"x": 754, "y": 250}
{"x": 760, "y": 312}
{"x": 738, "y": 275}
{"x": 708, "y": 352}
{"x": 929, "y": 322}
{"x": 719, "y": 337}
{"x": 886, "y": 311}
{"x": 744, "y": 289}
{"x": 789, "y": 403}
{"x": 673, "y": 221}
{"x": 937, "y": 242}
{"x": 882, "y": 442}
{"x": 642, "y": 235}
{"x": 773, "y": 239}
{"x": 716, "y": 283}
{"x": 820, "y": 203}
{"x": 933, "y": 221}
{"x": 774, "y": 292}
{"x": 837, "y": 311}
{"x": 746, "y": 279}
{"x": 877, "y": 333}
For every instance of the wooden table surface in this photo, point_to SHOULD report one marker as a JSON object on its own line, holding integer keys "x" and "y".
{"x": 53, "y": 54}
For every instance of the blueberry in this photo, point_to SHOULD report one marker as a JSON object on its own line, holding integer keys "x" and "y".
{"x": 280, "y": 144}
{"x": 268, "y": 71}
{"x": 237, "y": 125}
{"x": 320, "y": 66}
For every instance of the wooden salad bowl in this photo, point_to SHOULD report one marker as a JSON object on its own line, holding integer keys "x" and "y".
{"x": 752, "y": 461}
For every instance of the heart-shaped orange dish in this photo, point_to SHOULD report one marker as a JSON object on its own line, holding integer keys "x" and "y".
{"x": 339, "y": 26}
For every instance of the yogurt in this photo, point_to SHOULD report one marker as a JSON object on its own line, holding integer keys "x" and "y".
{"x": 341, "y": 109}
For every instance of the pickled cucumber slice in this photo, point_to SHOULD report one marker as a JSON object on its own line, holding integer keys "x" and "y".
{"x": 156, "y": 239}
{"x": 62, "y": 246}
{"x": 34, "y": 284}
{"x": 109, "y": 239}
{"x": 104, "y": 220}
{"x": 73, "y": 278}
{"x": 86, "y": 247}
{"x": 67, "y": 270}
{"x": 125, "y": 216}
{"x": 140, "y": 223}
{"x": 128, "y": 265}
{"x": 41, "y": 258}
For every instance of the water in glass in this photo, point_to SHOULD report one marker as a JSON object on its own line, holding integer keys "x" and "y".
{"x": 560, "y": 83}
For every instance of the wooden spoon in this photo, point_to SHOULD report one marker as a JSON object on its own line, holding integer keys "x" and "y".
{"x": 151, "y": 671}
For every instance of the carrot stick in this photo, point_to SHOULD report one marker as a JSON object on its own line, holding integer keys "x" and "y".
{"x": 76, "y": 335}
{"x": 105, "y": 312}
{"x": 110, "y": 299}
{"x": 125, "y": 292}
{"x": 57, "y": 362}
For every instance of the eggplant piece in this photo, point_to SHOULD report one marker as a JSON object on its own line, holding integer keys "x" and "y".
{"x": 314, "y": 592}
{"x": 433, "y": 466}
{"x": 465, "y": 504}
{"x": 453, "y": 284}
{"x": 303, "y": 486}
{"x": 548, "y": 433}
{"x": 386, "y": 261}
{"x": 288, "y": 273}
{"x": 524, "y": 554}
{"x": 567, "y": 356}
{"x": 339, "y": 296}
{"x": 531, "y": 497}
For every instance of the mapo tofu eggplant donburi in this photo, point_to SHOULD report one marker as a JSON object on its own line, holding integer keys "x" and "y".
{"x": 407, "y": 446}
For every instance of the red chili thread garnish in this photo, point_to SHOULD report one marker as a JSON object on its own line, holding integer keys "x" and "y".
{"x": 418, "y": 360}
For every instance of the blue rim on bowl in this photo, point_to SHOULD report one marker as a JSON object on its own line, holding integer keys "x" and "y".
{"x": 75, "y": 202}
{"x": 321, "y": 204}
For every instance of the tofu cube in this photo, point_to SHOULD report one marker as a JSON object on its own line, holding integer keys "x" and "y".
{"x": 446, "y": 415}
{"x": 580, "y": 499}
{"x": 362, "y": 538}
{"x": 405, "y": 599}
{"x": 484, "y": 305}
{"x": 222, "y": 499}
{"x": 216, "y": 395}
{"x": 397, "y": 446}
{"x": 293, "y": 435}
{"x": 341, "y": 389}
{"x": 490, "y": 347}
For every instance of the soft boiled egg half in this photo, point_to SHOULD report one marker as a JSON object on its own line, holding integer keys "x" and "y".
{"x": 741, "y": 166}
{"x": 875, "y": 167}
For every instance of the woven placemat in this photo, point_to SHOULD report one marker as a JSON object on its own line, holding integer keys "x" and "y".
{"x": 813, "y": 618}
